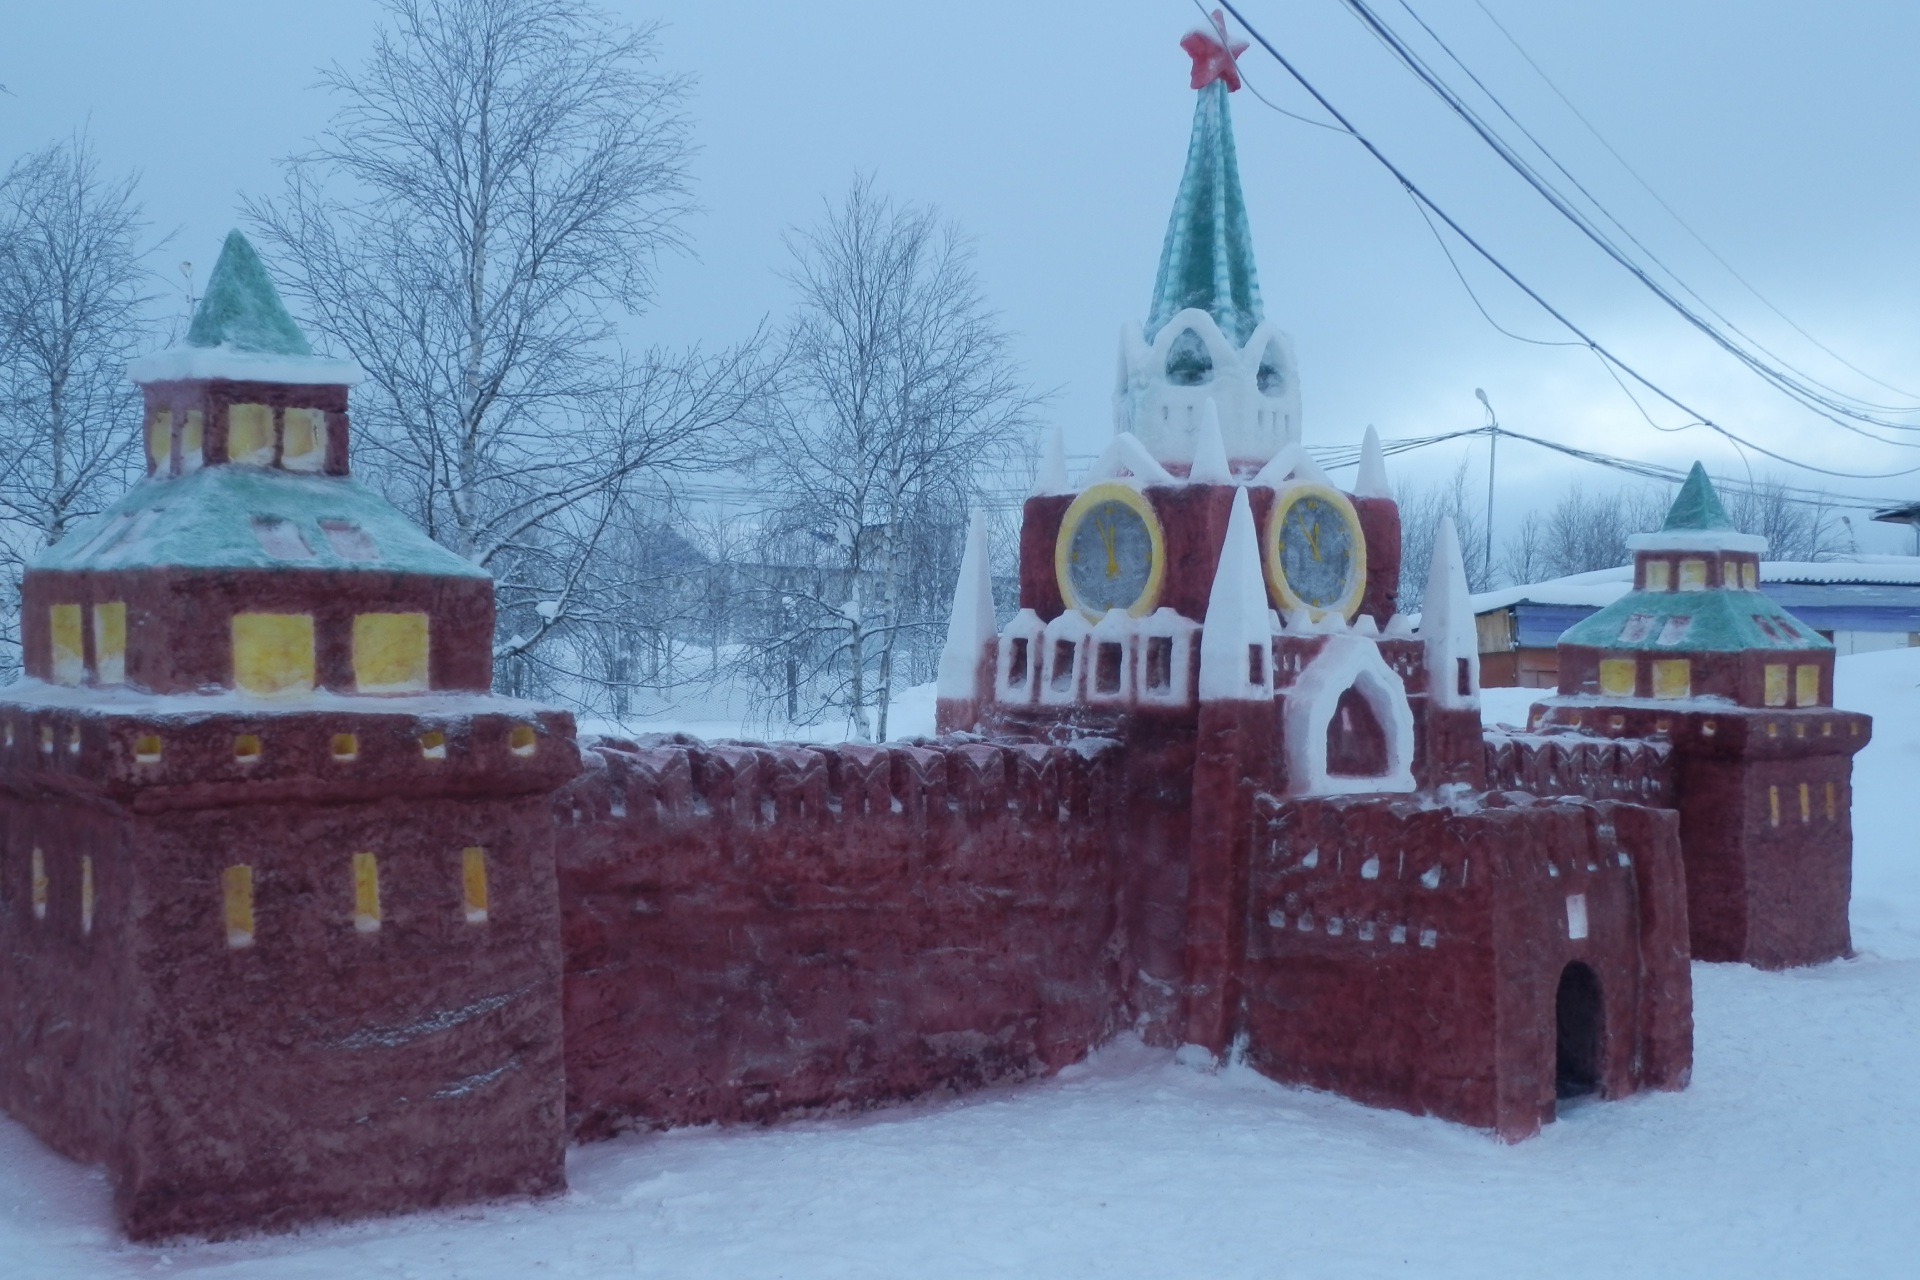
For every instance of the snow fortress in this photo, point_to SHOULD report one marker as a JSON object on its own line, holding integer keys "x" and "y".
{"x": 298, "y": 921}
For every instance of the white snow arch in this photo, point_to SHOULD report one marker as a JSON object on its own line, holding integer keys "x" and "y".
{"x": 1347, "y": 662}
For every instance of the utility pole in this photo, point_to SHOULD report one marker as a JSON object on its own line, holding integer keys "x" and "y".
{"x": 1493, "y": 447}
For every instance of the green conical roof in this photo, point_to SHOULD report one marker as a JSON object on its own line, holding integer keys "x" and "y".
{"x": 1698, "y": 506}
{"x": 1207, "y": 261}
{"x": 242, "y": 310}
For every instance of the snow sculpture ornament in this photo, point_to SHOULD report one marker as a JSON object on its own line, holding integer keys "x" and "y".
{"x": 1214, "y": 56}
{"x": 1206, "y": 340}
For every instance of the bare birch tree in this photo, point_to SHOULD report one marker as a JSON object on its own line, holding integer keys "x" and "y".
{"x": 491, "y": 196}
{"x": 900, "y": 395}
{"x": 72, "y": 311}
{"x": 1422, "y": 507}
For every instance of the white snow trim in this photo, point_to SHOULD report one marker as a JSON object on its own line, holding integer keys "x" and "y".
{"x": 1061, "y": 684}
{"x": 970, "y": 626}
{"x": 1126, "y": 458}
{"x": 1238, "y": 619}
{"x": 1178, "y": 630}
{"x": 1346, "y": 662}
{"x": 1115, "y": 629}
{"x": 179, "y": 363}
{"x": 1291, "y": 463}
{"x": 1447, "y": 625}
{"x": 1052, "y": 478}
{"x": 1024, "y": 634}
{"x": 1372, "y": 480}
{"x": 1698, "y": 540}
{"x": 1210, "y": 451}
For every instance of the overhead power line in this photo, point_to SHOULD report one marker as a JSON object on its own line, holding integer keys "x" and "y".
{"x": 1600, "y": 349}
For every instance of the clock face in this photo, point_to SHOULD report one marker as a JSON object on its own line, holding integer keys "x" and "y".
{"x": 1110, "y": 552}
{"x": 1316, "y": 553}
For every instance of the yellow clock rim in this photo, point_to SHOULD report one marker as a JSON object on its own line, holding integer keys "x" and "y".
{"x": 1131, "y": 498}
{"x": 1270, "y": 550}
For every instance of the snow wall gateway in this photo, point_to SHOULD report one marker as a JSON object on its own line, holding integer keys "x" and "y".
{"x": 752, "y": 931}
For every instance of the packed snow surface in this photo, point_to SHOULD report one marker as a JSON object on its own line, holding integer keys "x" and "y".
{"x": 1795, "y": 1153}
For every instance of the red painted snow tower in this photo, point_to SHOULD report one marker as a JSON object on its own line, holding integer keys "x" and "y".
{"x": 276, "y": 872}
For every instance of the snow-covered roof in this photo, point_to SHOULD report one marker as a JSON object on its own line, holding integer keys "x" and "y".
{"x": 247, "y": 517}
{"x": 1602, "y": 587}
{"x": 242, "y": 331}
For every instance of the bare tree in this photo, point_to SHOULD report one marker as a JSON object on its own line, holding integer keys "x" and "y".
{"x": 900, "y": 397}
{"x": 72, "y": 311}
{"x": 1587, "y": 529}
{"x": 490, "y": 197}
{"x": 1795, "y": 527}
{"x": 1421, "y": 510}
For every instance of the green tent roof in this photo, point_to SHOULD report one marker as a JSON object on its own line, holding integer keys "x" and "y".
{"x": 242, "y": 309}
{"x": 1697, "y": 506}
{"x": 1207, "y": 260}
{"x": 1718, "y": 621}
{"x": 253, "y": 518}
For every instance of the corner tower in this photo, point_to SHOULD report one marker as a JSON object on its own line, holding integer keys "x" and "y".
{"x": 279, "y": 937}
{"x": 1696, "y": 654}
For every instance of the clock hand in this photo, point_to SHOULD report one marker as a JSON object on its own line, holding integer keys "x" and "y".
{"x": 1108, "y": 534}
{"x": 1313, "y": 539}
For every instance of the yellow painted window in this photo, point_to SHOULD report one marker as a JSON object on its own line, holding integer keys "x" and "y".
{"x": 1773, "y": 805}
{"x": 473, "y": 883}
{"x": 69, "y": 650}
{"x": 1658, "y": 575}
{"x": 303, "y": 439}
{"x": 110, "y": 642}
{"x": 249, "y": 433}
{"x": 390, "y": 652}
{"x": 146, "y": 748}
{"x": 1693, "y": 575}
{"x": 1617, "y": 677}
{"x": 1806, "y": 804}
{"x": 39, "y": 885}
{"x": 1750, "y": 576}
{"x": 86, "y": 894}
{"x": 1776, "y": 691}
{"x": 273, "y": 652}
{"x": 1729, "y": 574}
{"x": 346, "y": 746}
{"x": 366, "y": 892}
{"x": 1672, "y": 678}
{"x": 1829, "y": 802}
{"x": 522, "y": 740}
{"x": 246, "y": 748}
{"x": 160, "y": 440}
{"x": 192, "y": 440}
{"x": 1806, "y": 685}
{"x": 433, "y": 745}
{"x": 236, "y": 903}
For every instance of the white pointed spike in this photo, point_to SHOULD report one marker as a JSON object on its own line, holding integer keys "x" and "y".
{"x": 1053, "y": 466}
{"x": 1372, "y": 481}
{"x": 970, "y": 626}
{"x": 1446, "y": 624}
{"x": 1238, "y": 635}
{"x": 1210, "y": 450}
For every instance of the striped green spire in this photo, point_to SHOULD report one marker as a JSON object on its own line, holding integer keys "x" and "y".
{"x": 1207, "y": 261}
{"x": 242, "y": 309}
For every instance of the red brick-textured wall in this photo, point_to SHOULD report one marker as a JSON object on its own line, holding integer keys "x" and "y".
{"x": 180, "y": 621}
{"x": 324, "y": 1070}
{"x": 752, "y": 931}
{"x": 1409, "y": 956}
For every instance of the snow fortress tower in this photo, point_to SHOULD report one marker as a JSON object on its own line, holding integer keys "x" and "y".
{"x": 280, "y": 925}
{"x": 1763, "y": 762}
{"x": 1311, "y": 866}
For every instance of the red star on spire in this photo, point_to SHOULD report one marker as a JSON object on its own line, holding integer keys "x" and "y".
{"x": 1213, "y": 55}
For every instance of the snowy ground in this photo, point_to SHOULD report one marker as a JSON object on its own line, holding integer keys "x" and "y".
{"x": 1795, "y": 1153}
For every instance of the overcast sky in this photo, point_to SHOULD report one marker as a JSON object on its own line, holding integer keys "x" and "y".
{"x": 1784, "y": 133}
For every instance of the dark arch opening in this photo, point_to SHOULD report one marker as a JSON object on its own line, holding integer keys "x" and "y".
{"x": 1188, "y": 362}
{"x": 1356, "y": 743}
{"x": 1579, "y": 1032}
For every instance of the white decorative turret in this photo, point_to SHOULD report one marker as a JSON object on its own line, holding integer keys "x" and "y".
{"x": 1372, "y": 480}
{"x": 1447, "y": 627}
{"x": 970, "y": 628}
{"x": 1053, "y": 466}
{"x": 1236, "y": 644}
{"x": 1191, "y": 365}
